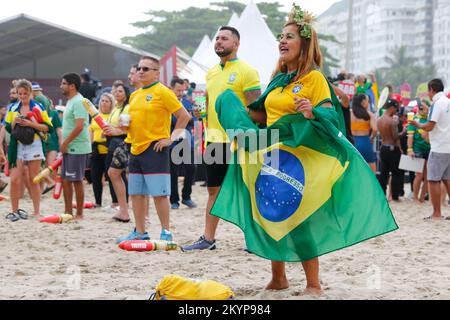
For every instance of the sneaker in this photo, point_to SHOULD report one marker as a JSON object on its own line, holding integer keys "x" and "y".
{"x": 174, "y": 206}
{"x": 191, "y": 204}
{"x": 200, "y": 244}
{"x": 134, "y": 236}
{"x": 166, "y": 235}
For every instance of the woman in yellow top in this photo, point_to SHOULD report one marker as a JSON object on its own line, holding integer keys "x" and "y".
{"x": 300, "y": 59}
{"x": 116, "y": 159}
{"x": 99, "y": 147}
{"x": 25, "y": 148}
{"x": 364, "y": 129}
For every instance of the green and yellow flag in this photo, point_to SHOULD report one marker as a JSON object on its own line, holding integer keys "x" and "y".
{"x": 298, "y": 189}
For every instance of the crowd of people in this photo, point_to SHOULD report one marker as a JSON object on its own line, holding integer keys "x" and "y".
{"x": 383, "y": 136}
{"x": 99, "y": 156}
{"x": 133, "y": 151}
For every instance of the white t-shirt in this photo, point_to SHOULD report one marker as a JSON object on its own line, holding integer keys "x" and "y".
{"x": 440, "y": 113}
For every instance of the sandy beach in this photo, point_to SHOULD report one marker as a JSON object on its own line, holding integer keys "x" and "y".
{"x": 80, "y": 260}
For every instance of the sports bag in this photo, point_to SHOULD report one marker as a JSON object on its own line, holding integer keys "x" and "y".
{"x": 173, "y": 287}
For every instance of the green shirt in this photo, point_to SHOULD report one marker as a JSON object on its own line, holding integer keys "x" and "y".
{"x": 53, "y": 142}
{"x": 419, "y": 143}
{"x": 75, "y": 110}
{"x": 364, "y": 89}
{"x": 44, "y": 101}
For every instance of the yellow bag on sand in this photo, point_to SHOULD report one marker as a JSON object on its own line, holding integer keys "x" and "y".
{"x": 173, "y": 287}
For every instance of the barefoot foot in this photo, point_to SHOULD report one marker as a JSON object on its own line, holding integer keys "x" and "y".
{"x": 313, "y": 291}
{"x": 278, "y": 284}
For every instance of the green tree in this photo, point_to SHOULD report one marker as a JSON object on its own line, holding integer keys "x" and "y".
{"x": 274, "y": 17}
{"x": 186, "y": 28}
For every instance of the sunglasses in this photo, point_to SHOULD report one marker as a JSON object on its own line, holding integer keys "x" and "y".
{"x": 288, "y": 36}
{"x": 146, "y": 69}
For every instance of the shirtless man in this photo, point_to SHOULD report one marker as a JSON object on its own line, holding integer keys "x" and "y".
{"x": 390, "y": 151}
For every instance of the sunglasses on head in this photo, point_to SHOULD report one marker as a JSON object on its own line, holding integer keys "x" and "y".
{"x": 146, "y": 69}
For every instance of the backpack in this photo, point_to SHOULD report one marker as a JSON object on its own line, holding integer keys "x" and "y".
{"x": 173, "y": 287}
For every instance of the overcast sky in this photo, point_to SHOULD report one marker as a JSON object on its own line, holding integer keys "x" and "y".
{"x": 110, "y": 19}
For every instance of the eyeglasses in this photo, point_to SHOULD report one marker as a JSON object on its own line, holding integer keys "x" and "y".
{"x": 288, "y": 36}
{"x": 146, "y": 69}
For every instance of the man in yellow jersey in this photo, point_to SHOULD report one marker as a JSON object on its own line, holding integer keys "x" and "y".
{"x": 235, "y": 74}
{"x": 151, "y": 108}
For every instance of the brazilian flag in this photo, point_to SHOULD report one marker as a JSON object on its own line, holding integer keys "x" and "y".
{"x": 298, "y": 189}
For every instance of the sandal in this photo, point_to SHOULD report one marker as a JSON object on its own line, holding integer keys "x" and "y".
{"x": 12, "y": 217}
{"x": 22, "y": 214}
{"x": 48, "y": 189}
{"x": 430, "y": 218}
{"x": 3, "y": 187}
{"x": 121, "y": 220}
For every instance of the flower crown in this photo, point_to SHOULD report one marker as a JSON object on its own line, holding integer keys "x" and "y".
{"x": 303, "y": 19}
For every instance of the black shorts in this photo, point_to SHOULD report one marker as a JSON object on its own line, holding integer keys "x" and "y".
{"x": 150, "y": 162}
{"x": 121, "y": 156}
{"x": 216, "y": 171}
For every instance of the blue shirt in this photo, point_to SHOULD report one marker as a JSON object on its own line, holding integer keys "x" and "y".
{"x": 187, "y": 104}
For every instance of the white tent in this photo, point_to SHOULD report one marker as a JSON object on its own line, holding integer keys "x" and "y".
{"x": 195, "y": 70}
{"x": 258, "y": 46}
{"x": 234, "y": 20}
{"x": 205, "y": 57}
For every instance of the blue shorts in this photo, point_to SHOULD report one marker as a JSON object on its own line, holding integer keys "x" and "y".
{"x": 149, "y": 173}
{"x": 365, "y": 148}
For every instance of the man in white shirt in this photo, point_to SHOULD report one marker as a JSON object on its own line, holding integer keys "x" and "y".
{"x": 439, "y": 160}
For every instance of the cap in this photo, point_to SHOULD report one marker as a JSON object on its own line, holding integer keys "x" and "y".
{"x": 35, "y": 86}
{"x": 396, "y": 97}
{"x": 391, "y": 103}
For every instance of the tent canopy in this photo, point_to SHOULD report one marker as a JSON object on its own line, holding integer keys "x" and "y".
{"x": 34, "y": 48}
{"x": 258, "y": 46}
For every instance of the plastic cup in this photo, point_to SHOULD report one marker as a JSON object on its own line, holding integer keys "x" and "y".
{"x": 410, "y": 116}
{"x": 124, "y": 120}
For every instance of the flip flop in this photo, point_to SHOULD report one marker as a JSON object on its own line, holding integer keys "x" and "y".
{"x": 121, "y": 220}
{"x": 447, "y": 218}
{"x": 12, "y": 217}
{"x": 48, "y": 189}
{"x": 430, "y": 218}
{"x": 5, "y": 184}
{"x": 22, "y": 214}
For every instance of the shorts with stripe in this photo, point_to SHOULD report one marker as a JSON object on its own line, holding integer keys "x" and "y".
{"x": 149, "y": 173}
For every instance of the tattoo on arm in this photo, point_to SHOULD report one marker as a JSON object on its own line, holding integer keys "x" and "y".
{"x": 252, "y": 95}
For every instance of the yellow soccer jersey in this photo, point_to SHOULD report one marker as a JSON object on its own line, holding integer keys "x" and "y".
{"x": 280, "y": 101}
{"x": 114, "y": 119}
{"x": 236, "y": 75}
{"x": 150, "y": 111}
{"x": 97, "y": 134}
